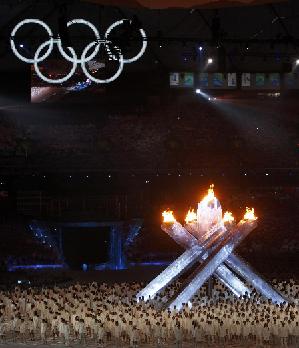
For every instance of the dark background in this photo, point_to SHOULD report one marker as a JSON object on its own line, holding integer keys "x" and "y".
{"x": 85, "y": 245}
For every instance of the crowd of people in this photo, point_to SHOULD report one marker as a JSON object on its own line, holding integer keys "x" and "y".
{"x": 169, "y": 136}
{"x": 105, "y": 314}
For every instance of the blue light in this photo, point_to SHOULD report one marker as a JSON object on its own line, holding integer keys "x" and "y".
{"x": 79, "y": 86}
{"x": 150, "y": 263}
{"x": 134, "y": 231}
{"x": 20, "y": 267}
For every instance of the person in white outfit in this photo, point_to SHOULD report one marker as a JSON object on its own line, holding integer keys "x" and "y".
{"x": 100, "y": 333}
{"x": 81, "y": 331}
{"x": 283, "y": 333}
{"x": 266, "y": 335}
{"x": 178, "y": 334}
{"x": 134, "y": 337}
{"x": 2, "y": 331}
{"x": 43, "y": 331}
{"x": 22, "y": 329}
{"x": 66, "y": 333}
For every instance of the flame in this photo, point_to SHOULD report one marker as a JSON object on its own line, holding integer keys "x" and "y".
{"x": 228, "y": 217}
{"x": 191, "y": 216}
{"x": 210, "y": 195}
{"x": 168, "y": 216}
{"x": 249, "y": 215}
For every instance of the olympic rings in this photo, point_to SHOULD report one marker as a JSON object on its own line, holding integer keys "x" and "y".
{"x": 112, "y": 78}
{"x": 97, "y": 35}
{"x": 73, "y": 58}
{"x": 43, "y": 77}
{"x": 144, "y": 41}
{"x": 13, "y": 46}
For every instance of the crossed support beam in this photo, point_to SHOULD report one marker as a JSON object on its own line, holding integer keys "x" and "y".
{"x": 215, "y": 253}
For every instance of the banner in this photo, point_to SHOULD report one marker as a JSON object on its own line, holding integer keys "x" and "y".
{"x": 218, "y": 80}
{"x": 174, "y": 79}
{"x": 274, "y": 80}
{"x": 246, "y": 80}
{"x": 188, "y": 80}
{"x": 232, "y": 80}
{"x": 260, "y": 80}
{"x": 182, "y": 79}
{"x": 204, "y": 80}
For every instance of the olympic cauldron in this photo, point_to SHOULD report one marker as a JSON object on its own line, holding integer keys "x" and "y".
{"x": 209, "y": 239}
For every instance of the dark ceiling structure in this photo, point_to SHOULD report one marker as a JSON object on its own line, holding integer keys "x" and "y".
{"x": 264, "y": 37}
{"x": 168, "y": 4}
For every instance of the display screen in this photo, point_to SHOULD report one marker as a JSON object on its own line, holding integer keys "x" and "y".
{"x": 260, "y": 80}
{"x": 232, "y": 80}
{"x": 182, "y": 79}
{"x": 204, "y": 79}
{"x": 274, "y": 80}
{"x": 218, "y": 80}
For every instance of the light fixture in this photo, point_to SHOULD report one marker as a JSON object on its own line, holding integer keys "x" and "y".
{"x": 297, "y": 62}
{"x": 197, "y": 91}
{"x": 210, "y": 61}
{"x": 200, "y": 48}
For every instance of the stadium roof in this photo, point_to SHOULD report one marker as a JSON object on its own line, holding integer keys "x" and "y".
{"x": 256, "y": 38}
{"x": 164, "y": 4}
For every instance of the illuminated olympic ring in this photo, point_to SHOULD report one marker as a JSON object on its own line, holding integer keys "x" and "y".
{"x": 73, "y": 58}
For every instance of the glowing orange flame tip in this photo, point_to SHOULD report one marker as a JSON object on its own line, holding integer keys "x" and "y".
{"x": 228, "y": 217}
{"x": 210, "y": 195}
{"x": 191, "y": 216}
{"x": 168, "y": 216}
{"x": 249, "y": 215}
